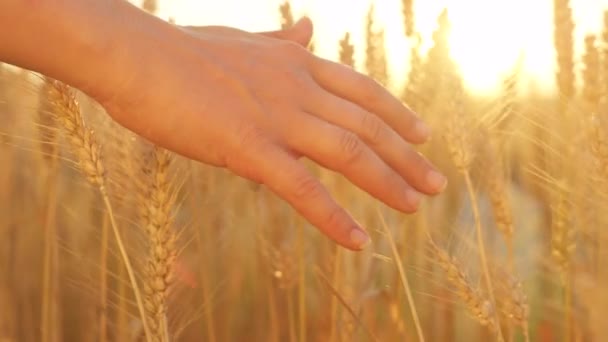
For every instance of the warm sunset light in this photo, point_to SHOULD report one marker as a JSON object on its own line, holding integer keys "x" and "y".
{"x": 488, "y": 35}
{"x": 446, "y": 180}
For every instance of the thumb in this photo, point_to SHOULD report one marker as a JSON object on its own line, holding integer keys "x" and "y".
{"x": 300, "y": 32}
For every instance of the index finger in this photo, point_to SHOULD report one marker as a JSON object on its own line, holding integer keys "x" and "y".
{"x": 271, "y": 165}
{"x": 350, "y": 85}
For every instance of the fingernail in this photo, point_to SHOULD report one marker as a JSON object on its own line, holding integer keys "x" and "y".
{"x": 437, "y": 181}
{"x": 413, "y": 198}
{"x": 359, "y": 238}
{"x": 423, "y": 130}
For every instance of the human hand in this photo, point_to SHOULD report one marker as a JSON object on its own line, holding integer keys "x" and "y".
{"x": 256, "y": 103}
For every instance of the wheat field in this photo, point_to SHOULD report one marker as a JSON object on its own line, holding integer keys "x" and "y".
{"x": 105, "y": 237}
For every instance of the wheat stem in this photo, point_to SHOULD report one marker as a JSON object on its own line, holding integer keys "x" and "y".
{"x": 567, "y": 288}
{"x": 302, "y": 284}
{"x": 334, "y": 301}
{"x": 103, "y": 284}
{"x": 49, "y": 288}
{"x": 290, "y": 314}
{"x": 404, "y": 280}
{"x": 202, "y": 237}
{"x": 482, "y": 249}
{"x": 68, "y": 114}
{"x": 344, "y": 303}
{"x": 122, "y": 311}
{"x": 127, "y": 262}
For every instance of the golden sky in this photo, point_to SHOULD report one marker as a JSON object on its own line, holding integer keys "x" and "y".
{"x": 487, "y": 38}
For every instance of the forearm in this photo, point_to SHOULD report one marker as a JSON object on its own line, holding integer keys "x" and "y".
{"x": 86, "y": 43}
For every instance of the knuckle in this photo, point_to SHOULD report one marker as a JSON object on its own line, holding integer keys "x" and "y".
{"x": 248, "y": 136}
{"x": 372, "y": 127}
{"x": 299, "y": 84}
{"x": 336, "y": 218}
{"x": 350, "y": 146}
{"x": 306, "y": 187}
{"x": 292, "y": 50}
{"x": 307, "y": 89}
{"x": 370, "y": 89}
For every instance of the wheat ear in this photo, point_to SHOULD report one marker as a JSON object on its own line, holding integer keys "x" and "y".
{"x": 87, "y": 151}
{"x": 158, "y": 199}
{"x": 481, "y": 308}
{"x": 459, "y": 146}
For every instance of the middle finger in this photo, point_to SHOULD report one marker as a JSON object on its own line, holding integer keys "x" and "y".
{"x": 391, "y": 147}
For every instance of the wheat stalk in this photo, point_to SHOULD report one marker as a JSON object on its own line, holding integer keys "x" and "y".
{"x": 48, "y": 144}
{"x": 480, "y": 308}
{"x": 459, "y": 146}
{"x": 563, "y": 234}
{"x": 347, "y": 51}
{"x": 150, "y": 5}
{"x": 404, "y": 281}
{"x": 157, "y": 201}
{"x": 375, "y": 53}
{"x": 286, "y": 15}
{"x": 409, "y": 19}
{"x": 603, "y": 68}
{"x": 513, "y": 302}
{"x": 87, "y": 151}
{"x": 499, "y": 198}
{"x": 563, "y": 245}
{"x": 591, "y": 75}
{"x": 343, "y": 301}
{"x": 564, "y": 46}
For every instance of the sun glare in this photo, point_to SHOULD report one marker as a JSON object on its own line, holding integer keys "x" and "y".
{"x": 488, "y": 36}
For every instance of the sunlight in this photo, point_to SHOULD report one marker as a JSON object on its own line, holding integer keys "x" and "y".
{"x": 487, "y": 38}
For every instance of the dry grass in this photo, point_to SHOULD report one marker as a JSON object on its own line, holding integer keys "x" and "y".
{"x": 105, "y": 237}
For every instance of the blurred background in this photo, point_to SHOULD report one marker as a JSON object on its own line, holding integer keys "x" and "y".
{"x": 105, "y": 237}
{"x": 486, "y": 40}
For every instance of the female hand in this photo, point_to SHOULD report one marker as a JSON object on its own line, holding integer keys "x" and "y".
{"x": 253, "y": 103}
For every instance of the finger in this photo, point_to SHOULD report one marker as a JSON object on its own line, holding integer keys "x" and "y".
{"x": 400, "y": 155}
{"x": 267, "y": 163}
{"x": 367, "y": 93}
{"x": 342, "y": 151}
{"x": 301, "y": 32}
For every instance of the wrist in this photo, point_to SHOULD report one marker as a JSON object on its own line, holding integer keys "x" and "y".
{"x": 112, "y": 47}
{"x": 92, "y": 45}
{"x": 94, "y": 64}
{"x": 62, "y": 39}
{"x": 130, "y": 48}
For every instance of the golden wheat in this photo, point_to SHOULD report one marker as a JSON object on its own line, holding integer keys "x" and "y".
{"x": 84, "y": 146}
{"x": 250, "y": 269}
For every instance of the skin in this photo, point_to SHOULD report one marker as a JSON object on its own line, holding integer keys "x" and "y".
{"x": 254, "y": 103}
